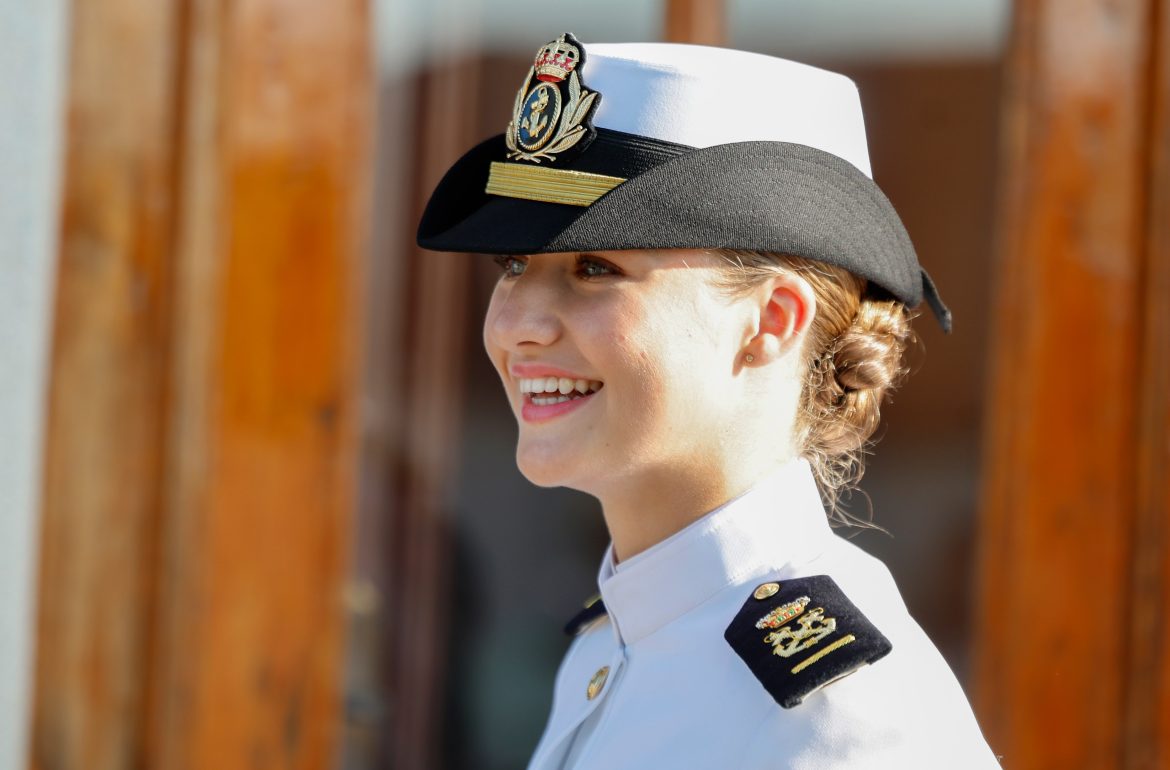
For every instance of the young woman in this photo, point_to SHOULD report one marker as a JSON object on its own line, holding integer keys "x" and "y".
{"x": 703, "y": 300}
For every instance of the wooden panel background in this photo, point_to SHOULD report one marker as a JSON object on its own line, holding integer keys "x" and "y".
{"x": 107, "y": 399}
{"x": 415, "y": 355}
{"x": 201, "y": 428}
{"x": 695, "y": 21}
{"x": 417, "y": 554}
{"x": 1147, "y": 712}
{"x": 1071, "y": 627}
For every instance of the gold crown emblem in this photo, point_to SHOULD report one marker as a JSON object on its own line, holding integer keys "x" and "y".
{"x": 783, "y": 614}
{"x": 555, "y": 60}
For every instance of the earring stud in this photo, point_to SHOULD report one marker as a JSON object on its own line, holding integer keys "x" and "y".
{"x": 749, "y": 358}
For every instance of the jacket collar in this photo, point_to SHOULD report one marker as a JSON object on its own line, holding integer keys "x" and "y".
{"x": 779, "y": 521}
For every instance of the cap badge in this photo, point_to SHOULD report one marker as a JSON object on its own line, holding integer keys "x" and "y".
{"x": 553, "y": 110}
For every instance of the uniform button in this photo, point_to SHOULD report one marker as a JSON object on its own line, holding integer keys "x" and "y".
{"x": 597, "y": 682}
{"x": 766, "y": 590}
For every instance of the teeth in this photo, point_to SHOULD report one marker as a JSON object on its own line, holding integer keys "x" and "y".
{"x": 558, "y": 385}
{"x": 551, "y": 400}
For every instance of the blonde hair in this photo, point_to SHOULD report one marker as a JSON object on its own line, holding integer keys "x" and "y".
{"x": 853, "y": 359}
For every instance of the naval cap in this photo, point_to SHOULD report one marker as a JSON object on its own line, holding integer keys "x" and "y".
{"x": 664, "y": 145}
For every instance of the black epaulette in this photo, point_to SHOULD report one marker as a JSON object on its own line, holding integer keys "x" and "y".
{"x": 594, "y": 608}
{"x": 798, "y": 635}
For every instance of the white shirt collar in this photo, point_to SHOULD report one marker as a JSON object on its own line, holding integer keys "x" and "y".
{"x": 778, "y": 521}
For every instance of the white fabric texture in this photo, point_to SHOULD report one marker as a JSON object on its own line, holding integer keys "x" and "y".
{"x": 678, "y": 696}
{"x": 703, "y": 96}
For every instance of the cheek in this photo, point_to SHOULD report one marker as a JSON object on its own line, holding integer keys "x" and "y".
{"x": 643, "y": 351}
{"x": 694, "y": 364}
{"x": 495, "y": 352}
{"x": 489, "y": 320}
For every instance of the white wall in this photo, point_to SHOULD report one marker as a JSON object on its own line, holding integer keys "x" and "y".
{"x": 820, "y": 30}
{"x": 870, "y": 30}
{"x": 33, "y": 49}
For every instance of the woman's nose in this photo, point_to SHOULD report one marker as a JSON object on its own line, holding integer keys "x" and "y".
{"x": 523, "y": 315}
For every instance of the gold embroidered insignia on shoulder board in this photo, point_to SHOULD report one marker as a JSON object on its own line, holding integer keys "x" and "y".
{"x": 553, "y": 108}
{"x": 805, "y": 648}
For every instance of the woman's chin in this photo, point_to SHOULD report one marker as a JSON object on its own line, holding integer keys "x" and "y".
{"x": 547, "y": 468}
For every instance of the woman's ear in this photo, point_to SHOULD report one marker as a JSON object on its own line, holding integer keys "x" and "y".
{"x": 789, "y": 306}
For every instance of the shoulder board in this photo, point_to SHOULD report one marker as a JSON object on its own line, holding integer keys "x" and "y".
{"x": 594, "y": 608}
{"x": 798, "y": 635}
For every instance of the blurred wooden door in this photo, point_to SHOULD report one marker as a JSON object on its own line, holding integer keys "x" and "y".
{"x": 200, "y": 451}
{"x": 1073, "y": 628}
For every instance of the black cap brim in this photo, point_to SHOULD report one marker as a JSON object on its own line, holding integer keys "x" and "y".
{"x": 762, "y": 196}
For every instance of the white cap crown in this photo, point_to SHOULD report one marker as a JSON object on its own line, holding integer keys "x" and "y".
{"x": 702, "y": 96}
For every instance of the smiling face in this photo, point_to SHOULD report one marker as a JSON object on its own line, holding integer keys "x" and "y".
{"x": 642, "y": 355}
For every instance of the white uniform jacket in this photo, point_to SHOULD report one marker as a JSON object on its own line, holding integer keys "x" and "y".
{"x": 669, "y": 691}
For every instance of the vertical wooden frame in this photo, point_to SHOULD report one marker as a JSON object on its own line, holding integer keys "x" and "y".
{"x": 288, "y": 94}
{"x": 107, "y": 396}
{"x": 695, "y": 21}
{"x": 201, "y": 447}
{"x": 431, "y": 347}
{"x": 1147, "y": 713}
{"x": 1072, "y": 547}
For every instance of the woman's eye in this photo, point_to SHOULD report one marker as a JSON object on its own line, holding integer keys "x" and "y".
{"x": 511, "y": 266}
{"x": 588, "y": 267}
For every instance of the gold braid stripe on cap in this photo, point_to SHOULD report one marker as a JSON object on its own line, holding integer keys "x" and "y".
{"x": 548, "y": 185}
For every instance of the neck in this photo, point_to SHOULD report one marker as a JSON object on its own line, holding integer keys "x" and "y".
{"x": 642, "y": 512}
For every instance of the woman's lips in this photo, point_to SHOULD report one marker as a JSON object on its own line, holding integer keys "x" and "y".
{"x": 543, "y": 382}
{"x": 540, "y": 370}
{"x": 535, "y": 413}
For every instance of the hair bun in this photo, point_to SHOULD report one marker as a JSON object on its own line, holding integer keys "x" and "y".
{"x": 868, "y": 355}
{"x": 857, "y": 370}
